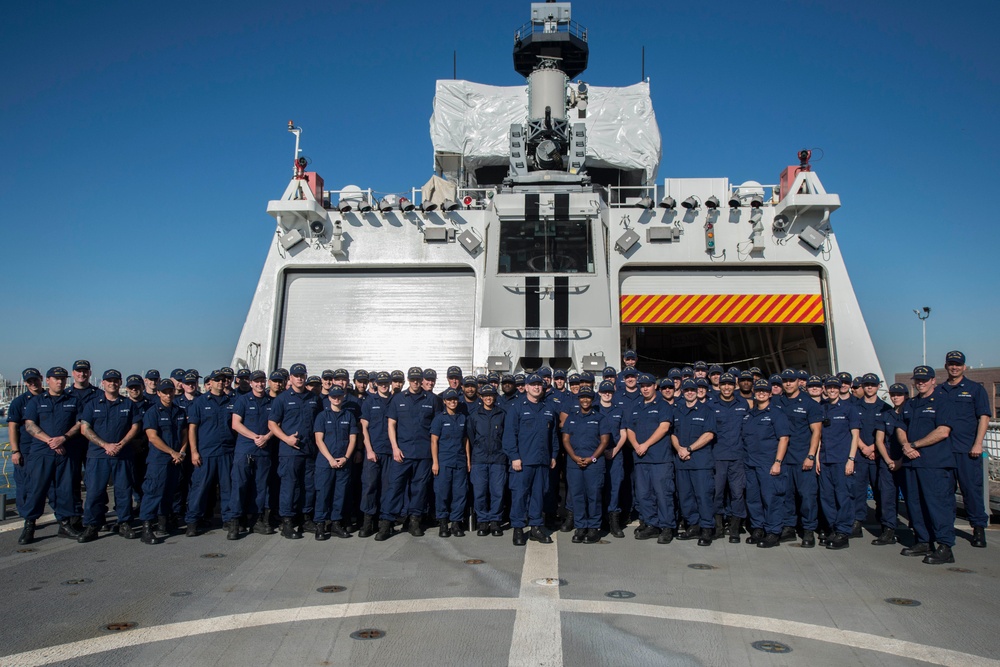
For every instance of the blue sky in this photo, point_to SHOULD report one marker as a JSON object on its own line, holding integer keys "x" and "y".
{"x": 142, "y": 141}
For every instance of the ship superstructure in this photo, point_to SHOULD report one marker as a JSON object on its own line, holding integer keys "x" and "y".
{"x": 546, "y": 238}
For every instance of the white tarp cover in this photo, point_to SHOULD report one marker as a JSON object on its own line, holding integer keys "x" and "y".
{"x": 473, "y": 119}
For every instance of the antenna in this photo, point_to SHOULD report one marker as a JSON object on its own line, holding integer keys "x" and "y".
{"x": 643, "y": 64}
{"x": 297, "y": 131}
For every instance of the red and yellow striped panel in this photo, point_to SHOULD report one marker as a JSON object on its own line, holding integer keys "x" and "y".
{"x": 722, "y": 309}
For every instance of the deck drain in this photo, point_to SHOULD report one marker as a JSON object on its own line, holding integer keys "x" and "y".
{"x": 120, "y": 626}
{"x": 213, "y": 555}
{"x": 77, "y": 582}
{"x": 26, "y": 550}
{"x": 961, "y": 570}
{"x": 620, "y": 595}
{"x": 550, "y": 581}
{"x": 474, "y": 561}
{"x": 180, "y": 594}
{"x": 701, "y": 566}
{"x": 771, "y": 646}
{"x": 331, "y": 589}
{"x": 368, "y": 633}
{"x": 903, "y": 602}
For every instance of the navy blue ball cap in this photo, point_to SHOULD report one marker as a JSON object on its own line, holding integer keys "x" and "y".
{"x": 832, "y": 381}
{"x": 298, "y": 369}
{"x": 688, "y": 385}
{"x": 755, "y": 370}
{"x": 899, "y": 389}
{"x": 327, "y": 374}
{"x": 81, "y": 365}
{"x": 545, "y": 372}
{"x": 112, "y": 374}
{"x": 481, "y": 379}
{"x": 192, "y": 371}
{"x": 214, "y": 376}
{"x": 646, "y": 378}
{"x": 313, "y": 380}
{"x": 587, "y": 376}
{"x": 702, "y": 382}
{"x": 629, "y": 372}
{"x": 789, "y": 374}
{"x": 469, "y": 381}
{"x": 493, "y": 377}
{"x": 507, "y": 378}
{"x": 361, "y": 376}
{"x": 243, "y": 374}
{"x": 31, "y": 374}
{"x": 923, "y": 373}
{"x": 285, "y": 372}
{"x": 734, "y": 371}
{"x": 715, "y": 368}
{"x": 762, "y": 385}
{"x": 574, "y": 378}
{"x": 954, "y": 357}
{"x": 870, "y": 378}
{"x": 746, "y": 375}
{"x": 227, "y": 371}
{"x": 519, "y": 379}
{"x": 133, "y": 381}
{"x": 454, "y": 372}
{"x": 687, "y": 371}
{"x": 700, "y": 366}
{"x": 258, "y": 376}
{"x": 845, "y": 377}
{"x": 177, "y": 374}
{"x": 585, "y": 392}
{"x": 415, "y": 373}
{"x": 727, "y": 378}
{"x": 814, "y": 381}
{"x": 449, "y": 395}
{"x": 674, "y": 374}
{"x": 856, "y": 382}
{"x": 153, "y": 374}
{"x": 488, "y": 390}
{"x": 382, "y": 378}
{"x": 665, "y": 383}
{"x": 57, "y": 372}
{"x": 774, "y": 379}
{"x": 397, "y": 376}
{"x": 609, "y": 372}
{"x": 534, "y": 378}
{"x": 336, "y": 391}
{"x": 165, "y": 386}
{"x": 802, "y": 375}
{"x": 277, "y": 376}
{"x": 341, "y": 374}
{"x": 606, "y": 387}
{"x": 630, "y": 354}
{"x": 559, "y": 374}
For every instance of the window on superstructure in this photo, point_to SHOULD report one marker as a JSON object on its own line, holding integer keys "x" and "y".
{"x": 548, "y": 246}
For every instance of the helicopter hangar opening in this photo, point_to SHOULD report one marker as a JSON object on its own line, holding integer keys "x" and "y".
{"x": 774, "y": 319}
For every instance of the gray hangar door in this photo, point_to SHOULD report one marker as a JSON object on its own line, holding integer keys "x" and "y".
{"x": 377, "y": 320}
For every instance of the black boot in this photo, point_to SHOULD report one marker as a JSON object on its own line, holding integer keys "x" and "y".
{"x": 706, "y": 537}
{"x": 857, "y": 530}
{"x": 690, "y": 533}
{"x": 414, "y": 527}
{"x": 307, "y": 522}
{"x": 578, "y": 535}
{"x": 484, "y": 529}
{"x": 593, "y": 536}
{"x": 639, "y": 527}
{"x": 666, "y": 536}
{"x": 918, "y": 549}
{"x": 770, "y": 540}
{"x": 979, "y": 537}
{"x": 940, "y": 556}
{"x": 367, "y": 526}
{"x": 808, "y": 539}
{"x": 720, "y": 527}
{"x": 495, "y": 529}
{"x": 89, "y": 534}
{"x": 519, "y": 539}
{"x": 755, "y": 536}
{"x": 162, "y": 525}
{"x": 456, "y": 529}
{"x": 126, "y": 530}
{"x": 288, "y": 529}
{"x": 787, "y": 534}
{"x": 233, "y": 531}
{"x": 568, "y": 523}
{"x": 192, "y": 529}
{"x": 262, "y": 526}
{"x": 734, "y": 529}
{"x": 839, "y": 541}
{"x": 77, "y": 523}
{"x": 320, "y": 533}
{"x": 647, "y": 532}
{"x": 384, "y": 530}
{"x": 888, "y": 536}
{"x": 443, "y": 530}
{"x": 147, "y": 533}
{"x": 66, "y": 529}
{"x": 615, "y": 524}
{"x": 539, "y": 535}
{"x": 27, "y": 533}
{"x": 338, "y": 529}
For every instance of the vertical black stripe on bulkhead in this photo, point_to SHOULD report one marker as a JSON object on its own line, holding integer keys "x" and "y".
{"x": 532, "y": 306}
{"x": 561, "y": 316}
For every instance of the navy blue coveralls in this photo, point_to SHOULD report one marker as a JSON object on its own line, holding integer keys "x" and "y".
{"x": 212, "y": 416}
{"x": 836, "y": 491}
{"x": 295, "y": 413}
{"x": 335, "y": 427}
{"x": 761, "y": 432}
{"x": 15, "y": 419}
{"x": 802, "y": 496}
{"x": 730, "y": 455}
{"x": 484, "y": 428}
{"x": 162, "y": 473}
{"x": 253, "y": 466}
{"x": 54, "y": 415}
{"x": 76, "y": 447}
{"x": 654, "y": 471}
{"x": 375, "y": 475}
{"x": 585, "y": 485}
{"x": 529, "y": 435}
{"x": 969, "y": 402}
{"x": 695, "y": 487}
{"x": 410, "y": 479}
{"x": 140, "y": 449}
{"x": 930, "y": 478}
{"x": 614, "y": 475}
{"x": 865, "y": 469}
{"x": 110, "y": 421}
{"x": 891, "y": 481}
{"x": 451, "y": 485}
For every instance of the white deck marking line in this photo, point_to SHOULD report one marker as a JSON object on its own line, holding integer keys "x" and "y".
{"x": 141, "y": 635}
{"x": 537, "y": 636}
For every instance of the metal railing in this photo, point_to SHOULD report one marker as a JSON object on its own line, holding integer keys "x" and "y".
{"x": 571, "y": 27}
{"x": 991, "y": 445}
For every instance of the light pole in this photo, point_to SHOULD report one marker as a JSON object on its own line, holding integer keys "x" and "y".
{"x": 923, "y": 314}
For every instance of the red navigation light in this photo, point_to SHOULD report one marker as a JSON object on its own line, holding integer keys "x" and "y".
{"x": 467, "y": 200}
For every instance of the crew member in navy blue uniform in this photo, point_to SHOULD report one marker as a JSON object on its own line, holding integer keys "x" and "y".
{"x": 930, "y": 469}
{"x": 586, "y": 435}
{"x": 166, "y": 427}
{"x": 253, "y": 460}
{"x": 870, "y": 407}
{"x": 375, "y": 474}
{"x": 629, "y": 360}
{"x": 692, "y": 438}
{"x": 20, "y": 439}
{"x": 805, "y": 418}
{"x": 508, "y": 391}
{"x": 615, "y": 465}
{"x": 648, "y": 432}
{"x": 838, "y": 452}
{"x": 530, "y": 442}
{"x": 450, "y": 465}
{"x": 410, "y": 414}
{"x": 52, "y": 420}
{"x": 110, "y": 422}
{"x": 140, "y": 443}
{"x": 76, "y": 447}
{"x": 469, "y": 400}
{"x": 970, "y": 408}
{"x": 291, "y": 421}
{"x": 212, "y": 442}
{"x": 336, "y": 432}
{"x": 890, "y": 463}
{"x": 765, "y": 436}
{"x": 488, "y": 463}
{"x": 151, "y": 380}
{"x": 730, "y": 457}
